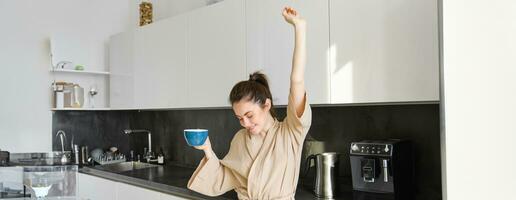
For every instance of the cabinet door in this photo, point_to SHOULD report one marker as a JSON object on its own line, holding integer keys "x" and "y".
{"x": 170, "y": 197}
{"x": 216, "y": 52}
{"x": 270, "y": 46}
{"x": 121, "y": 57}
{"x": 384, "y": 51}
{"x": 160, "y": 64}
{"x": 129, "y": 192}
{"x": 94, "y": 188}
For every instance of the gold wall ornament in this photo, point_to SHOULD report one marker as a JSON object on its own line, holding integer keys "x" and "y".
{"x": 145, "y": 13}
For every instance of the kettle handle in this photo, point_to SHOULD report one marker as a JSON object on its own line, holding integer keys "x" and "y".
{"x": 307, "y": 164}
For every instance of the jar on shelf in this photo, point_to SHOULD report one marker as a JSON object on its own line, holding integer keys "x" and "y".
{"x": 67, "y": 95}
{"x": 145, "y": 13}
{"x": 77, "y": 96}
{"x": 61, "y": 94}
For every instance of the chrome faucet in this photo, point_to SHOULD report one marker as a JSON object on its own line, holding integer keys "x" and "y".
{"x": 62, "y": 135}
{"x": 148, "y": 154}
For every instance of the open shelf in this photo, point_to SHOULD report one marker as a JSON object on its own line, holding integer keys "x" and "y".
{"x": 79, "y": 109}
{"x": 79, "y": 71}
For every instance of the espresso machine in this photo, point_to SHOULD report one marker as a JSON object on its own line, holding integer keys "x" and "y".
{"x": 382, "y": 169}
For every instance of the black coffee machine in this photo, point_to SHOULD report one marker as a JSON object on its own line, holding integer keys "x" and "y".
{"x": 382, "y": 169}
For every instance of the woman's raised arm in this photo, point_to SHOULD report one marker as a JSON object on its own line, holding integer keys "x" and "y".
{"x": 297, "y": 77}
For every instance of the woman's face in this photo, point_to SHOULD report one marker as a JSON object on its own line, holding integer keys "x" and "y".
{"x": 252, "y": 116}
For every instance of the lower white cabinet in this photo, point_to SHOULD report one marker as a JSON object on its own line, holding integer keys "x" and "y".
{"x": 128, "y": 192}
{"x": 95, "y": 188}
{"x": 170, "y": 197}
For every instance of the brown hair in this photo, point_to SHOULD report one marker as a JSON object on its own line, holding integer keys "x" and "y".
{"x": 255, "y": 89}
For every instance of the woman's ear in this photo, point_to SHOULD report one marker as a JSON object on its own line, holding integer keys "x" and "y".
{"x": 267, "y": 105}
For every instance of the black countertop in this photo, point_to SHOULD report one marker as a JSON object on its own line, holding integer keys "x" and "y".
{"x": 172, "y": 179}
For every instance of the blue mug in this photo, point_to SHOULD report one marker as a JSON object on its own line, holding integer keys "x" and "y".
{"x": 195, "y": 137}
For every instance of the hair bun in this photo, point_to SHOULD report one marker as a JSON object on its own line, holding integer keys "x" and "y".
{"x": 252, "y": 77}
{"x": 256, "y": 89}
{"x": 259, "y": 78}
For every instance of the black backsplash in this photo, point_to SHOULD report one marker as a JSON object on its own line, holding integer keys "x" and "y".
{"x": 337, "y": 126}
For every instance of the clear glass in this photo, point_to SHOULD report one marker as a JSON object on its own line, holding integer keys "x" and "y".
{"x": 51, "y": 181}
{"x": 93, "y": 91}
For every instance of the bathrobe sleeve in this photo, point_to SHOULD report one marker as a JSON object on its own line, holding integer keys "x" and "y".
{"x": 298, "y": 126}
{"x": 212, "y": 177}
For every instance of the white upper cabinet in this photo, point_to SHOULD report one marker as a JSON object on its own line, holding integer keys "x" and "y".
{"x": 270, "y": 46}
{"x": 357, "y": 52}
{"x": 160, "y": 64}
{"x": 216, "y": 53}
{"x": 121, "y": 59}
{"x": 148, "y": 66}
{"x": 384, "y": 51}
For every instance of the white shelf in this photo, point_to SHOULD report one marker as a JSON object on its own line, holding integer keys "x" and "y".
{"x": 79, "y": 109}
{"x": 80, "y": 71}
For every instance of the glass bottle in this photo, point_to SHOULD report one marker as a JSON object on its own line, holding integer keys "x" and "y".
{"x": 161, "y": 157}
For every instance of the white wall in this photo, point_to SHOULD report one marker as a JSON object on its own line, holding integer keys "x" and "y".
{"x": 25, "y": 118}
{"x": 479, "y": 82}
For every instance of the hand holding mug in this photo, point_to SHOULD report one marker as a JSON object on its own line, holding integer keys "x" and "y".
{"x": 205, "y": 146}
{"x": 198, "y": 138}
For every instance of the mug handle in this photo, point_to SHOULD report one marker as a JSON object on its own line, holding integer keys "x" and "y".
{"x": 307, "y": 165}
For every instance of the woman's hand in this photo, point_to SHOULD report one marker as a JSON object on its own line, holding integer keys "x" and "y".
{"x": 206, "y": 147}
{"x": 292, "y": 17}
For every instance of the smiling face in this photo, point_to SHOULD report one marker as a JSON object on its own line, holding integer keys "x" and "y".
{"x": 252, "y": 116}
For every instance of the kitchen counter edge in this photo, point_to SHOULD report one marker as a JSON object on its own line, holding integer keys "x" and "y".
{"x": 159, "y": 187}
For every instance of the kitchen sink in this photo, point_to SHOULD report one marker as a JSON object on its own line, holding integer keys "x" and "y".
{"x": 125, "y": 166}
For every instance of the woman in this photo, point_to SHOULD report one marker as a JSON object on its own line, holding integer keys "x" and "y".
{"x": 264, "y": 157}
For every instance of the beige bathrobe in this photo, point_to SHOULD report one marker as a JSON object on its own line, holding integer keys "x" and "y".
{"x": 258, "y": 167}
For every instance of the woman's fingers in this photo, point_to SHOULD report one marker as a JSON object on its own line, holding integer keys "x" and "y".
{"x": 207, "y": 144}
{"x": 290, "y": 11}
{"x": 286, "y": 10}
{"x": 285, "y": 13}
{"x": 291, "y": 16}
